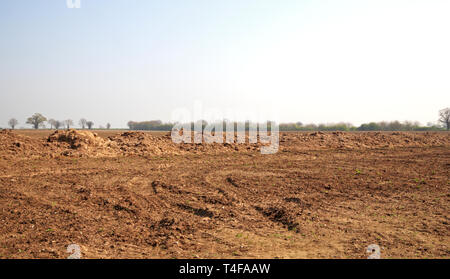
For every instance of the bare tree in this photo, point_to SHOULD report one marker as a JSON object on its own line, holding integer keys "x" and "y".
{"x": 12, "y": 123}
{"x": 68, "y": 123}
{"x": 83, "y": 123}
{"x": 108, "y": 126}
{"x": 131, "y": 124}
{"x": 37, "y": 120}
{"x": 444, "y": 117}
{"x": 52, "y": 123}
{"x": 57, "y": 124}
{"x": 90, "y": 124}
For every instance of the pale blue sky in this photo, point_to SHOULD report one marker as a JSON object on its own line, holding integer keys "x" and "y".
{"x": 310, "y": 61}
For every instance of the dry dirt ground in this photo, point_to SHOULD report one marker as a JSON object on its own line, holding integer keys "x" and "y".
{"x": 121, "y": 194}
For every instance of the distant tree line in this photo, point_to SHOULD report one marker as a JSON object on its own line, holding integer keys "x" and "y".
{"x": 158, "y": 125}
{"x": 298, "y": 126}
{"x": 153, "y": 125}
{"x": 37, "y": 121}
{"x": 397, "y": 126}
{"x": 443, "y": 123}
{"x": 372, "y": 126}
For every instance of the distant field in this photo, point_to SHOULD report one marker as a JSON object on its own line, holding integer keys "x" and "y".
{"x": 103, "y": 133}
{"x": 106, "y": 133}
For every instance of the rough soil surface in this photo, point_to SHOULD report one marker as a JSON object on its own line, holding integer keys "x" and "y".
{"x": 139, "y": 195}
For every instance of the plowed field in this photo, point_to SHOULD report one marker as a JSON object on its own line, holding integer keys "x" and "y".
{"x": 121, "y": 194}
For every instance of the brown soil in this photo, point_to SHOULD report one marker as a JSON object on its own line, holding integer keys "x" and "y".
{"x": 139, "y": 195}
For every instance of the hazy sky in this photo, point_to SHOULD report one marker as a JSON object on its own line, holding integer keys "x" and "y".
{"x": 310, "y": 61}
